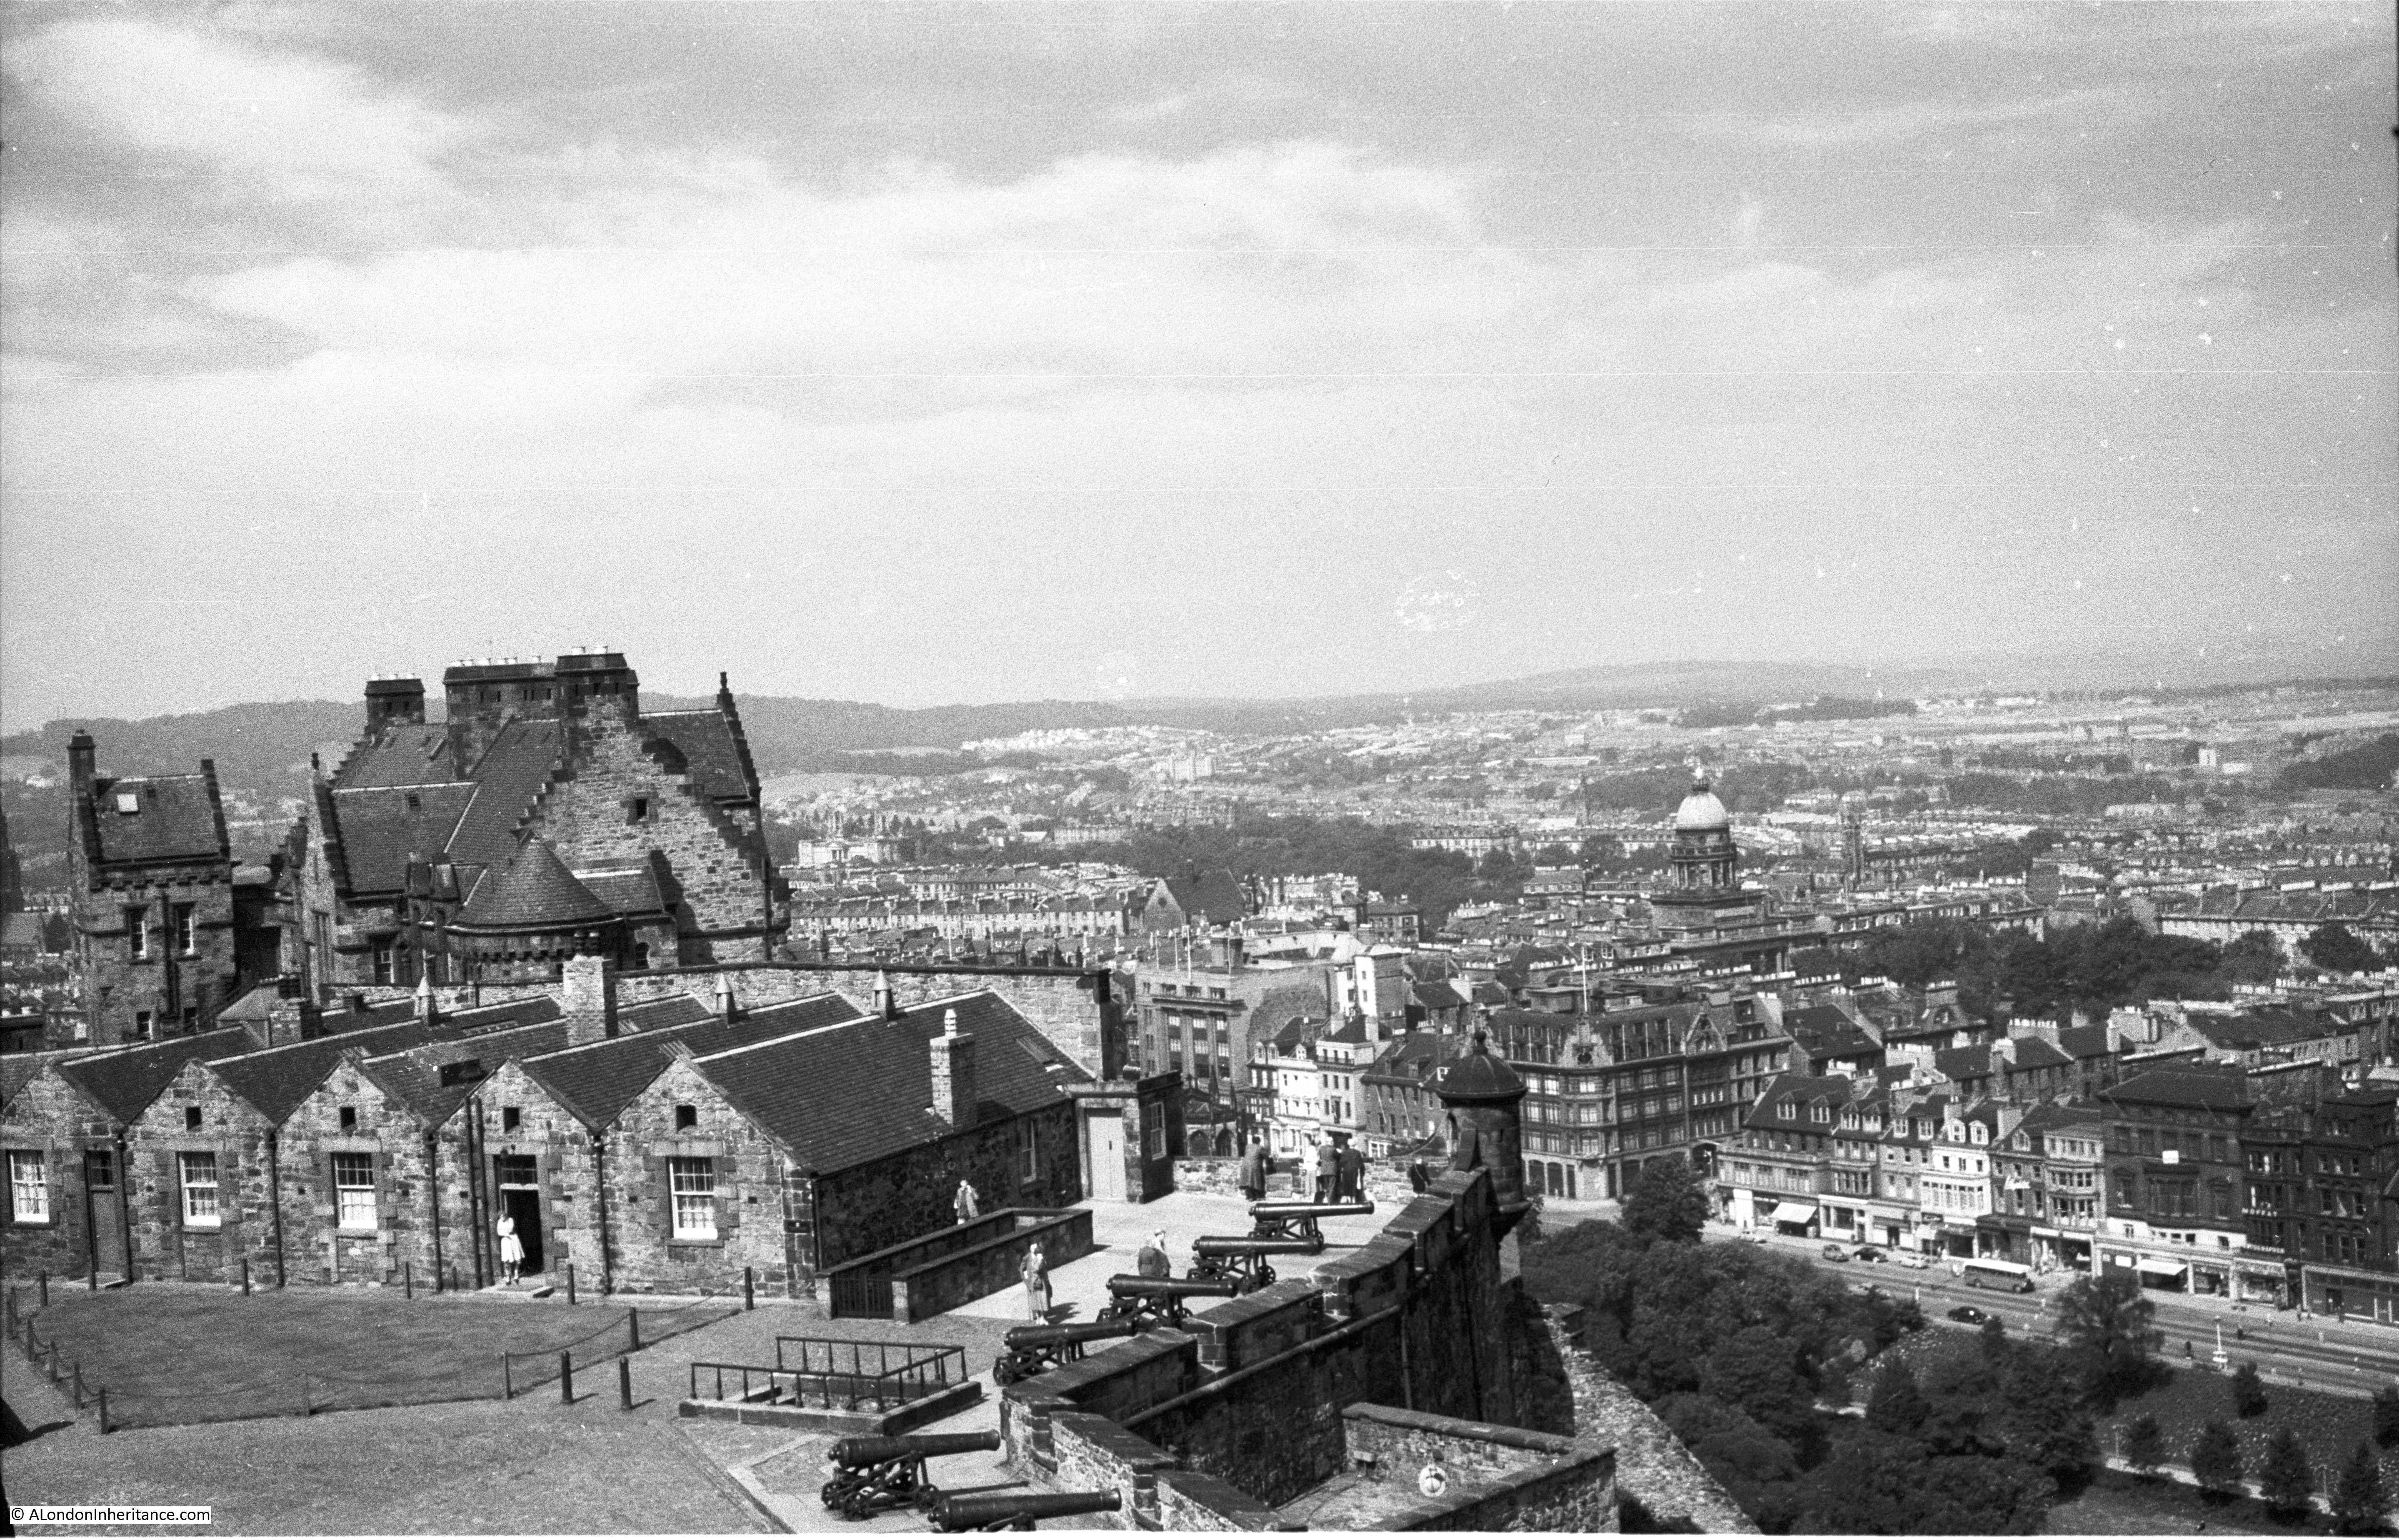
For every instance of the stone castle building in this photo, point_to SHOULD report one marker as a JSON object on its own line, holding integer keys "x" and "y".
{"x": 548, "y": 816}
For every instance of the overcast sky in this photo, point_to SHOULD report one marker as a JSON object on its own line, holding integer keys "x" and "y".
{"x": 921, "y": 353}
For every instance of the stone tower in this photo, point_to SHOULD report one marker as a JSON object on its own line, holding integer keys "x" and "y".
{"x": 1483, "y": 1098}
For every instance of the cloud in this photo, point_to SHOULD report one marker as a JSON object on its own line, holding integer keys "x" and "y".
{"x": 1910, "y": 122}
{"x": 285, "y": 127}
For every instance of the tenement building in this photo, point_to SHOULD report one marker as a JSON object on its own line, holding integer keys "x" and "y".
{"x": 548, "y": 816}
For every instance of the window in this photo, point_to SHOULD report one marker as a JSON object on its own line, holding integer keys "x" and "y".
{"x": 200, "y": 1210}
{"x": 141, "y": 1029}
{"x": 137, "y": 933}
{"x": 383, "y": 961}
{"x": 686, "y": 1117}
{"x": 354, "y": 1191}
{"x": 349, "y": 1120}
{"x": 509, "y": 1118}
{"x": 29, "y": 1187}
{"x": 637, "y": 810}
{"x": 185, "y": 928}
{"x": 190, "y": 1120}
{"x": 693, "y": 1183}
{"x": 1030, "y": 1150}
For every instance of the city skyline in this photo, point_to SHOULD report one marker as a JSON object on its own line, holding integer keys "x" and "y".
{"x": 968, "y": 354}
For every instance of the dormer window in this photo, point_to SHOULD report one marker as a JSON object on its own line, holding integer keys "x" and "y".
{"x": 128, "y": 802}
{"x": 415, "y": 802}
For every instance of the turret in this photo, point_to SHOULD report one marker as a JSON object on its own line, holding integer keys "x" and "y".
{"x": 1485, "y": 1099}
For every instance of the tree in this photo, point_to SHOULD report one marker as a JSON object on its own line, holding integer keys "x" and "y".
{"x": 1755, "y": 1369}
{"x": 1667, "y": 1202}
{"x": 2335, "y": 947}
{"x": 2248, "y": 1391}
{"x": 1995, "y": 1339}
{"x": 2287, "y": 1478}
{"x": 1896, "y": 1404}
{"x": 2041, "y": 1420}
{"x": 2109, "y": 1339}
{"x": 2215, "y": 1461}
{"x": 2386, "y": 1415}
{"x": 2145, "y": 1445}
{"x": 2358, "y": 1500}
{"x": 2253, "y": 957}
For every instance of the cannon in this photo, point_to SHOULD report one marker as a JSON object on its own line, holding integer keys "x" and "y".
{"x": 1243, "y": 1259}
{"x": 1038, "y": 1349}
{"x": 1018, "y": 1510}
{"x": 874, "y": 1474}
{"x": 1298, "y": 1221}
{"x": 1159, "y": 1302}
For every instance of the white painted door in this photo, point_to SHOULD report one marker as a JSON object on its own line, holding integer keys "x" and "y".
{"x": 1107, "y": 1157}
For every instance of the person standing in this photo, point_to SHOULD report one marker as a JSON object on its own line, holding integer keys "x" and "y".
{"x": 967, "y": 1204}
{"x": 511, "y": 1250}
{"x": 1153, "y": 1263}
{"x": 1254, "y": 1171}
{"x": 1327, "y": 1164}
{"x": 1353, "y": 1183}
{"x": 1419, "y": 1175}
{"x": 1036, "y": 1285}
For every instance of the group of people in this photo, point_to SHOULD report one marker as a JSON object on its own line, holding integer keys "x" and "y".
{"x": 1341, "y": 1172}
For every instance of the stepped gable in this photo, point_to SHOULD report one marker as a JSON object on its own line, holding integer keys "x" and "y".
{"x": 533, "y": 892}
{"x": 843, "y": 1097}
{"x": 512, "y": 772}
{"x": 125, "y": 1082}
{"x": 175, "y": 819}
{"x": 277, "y": 1080}
{"x": 597, "y": 1080}
{"x": 402, "y": 755}
{"x": 379, "y": 828}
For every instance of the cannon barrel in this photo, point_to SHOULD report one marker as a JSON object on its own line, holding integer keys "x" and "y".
{"x": 952, "y": 1514}
{"x": 1134, "y": 1286}
{"x": 1252, "y": 1246}
{"x": 1058, "y": 1336}
{"x": 908, "y": 1445}
{"x": 1308, "y": 1211}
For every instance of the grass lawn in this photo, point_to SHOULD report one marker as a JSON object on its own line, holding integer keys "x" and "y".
{"x": 2117, "y": 1504}
{"x": 167, "y": 1355}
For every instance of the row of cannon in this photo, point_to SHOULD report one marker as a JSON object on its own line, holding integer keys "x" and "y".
{"x": 875, "y": 1474}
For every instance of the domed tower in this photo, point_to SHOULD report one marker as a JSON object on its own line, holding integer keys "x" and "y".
{"x": 1483, "y": 1098}
{"x": 1704, "y": 856}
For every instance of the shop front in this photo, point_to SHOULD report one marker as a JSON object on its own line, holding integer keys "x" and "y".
{"x": 2167, "y": 1275}
{"x": 1847, "y": 1221}
{"x": 2053, "y": 1250}
{"x": 2347, "y": 1295}
{"x": 2004, "y": 1237}
{"x": 1795, "y": 1219}
{"x": 2261, "y": 1279}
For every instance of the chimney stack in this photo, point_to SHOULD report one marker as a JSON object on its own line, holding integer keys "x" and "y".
{"x": 954, "y": 1077}
{"x": 427, "y": 1011}
{"x": 725, "y": 1005}
{"x": 885, "y": 1006}
{"x": 589, "y": 1000}
{"x": 83, "y": 761}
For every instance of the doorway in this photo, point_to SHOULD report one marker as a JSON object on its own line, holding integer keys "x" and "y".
{"x": 520, "y": 1187}
{"x": 1108, "y": 1156}
{"x": 106, "y": 1212}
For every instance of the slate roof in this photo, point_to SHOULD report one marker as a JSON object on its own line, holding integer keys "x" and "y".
{"x": 705, "y": 741}
{"x": 2084, "y": 1041}
{"x": 533, "y": 892}
{"x": 1216, "y": 896}
{"x": 124, "y": 1082}
{"x": 380, "y": 828}
{"x": 1803, "y": 1091}
{"x": 180, "y": 819}
{"x": 514, "y": 769}
{"x": 628, "y": 890}
{"x": 1410, "y": 1057}
{"x": 2033, "y": 1053}
{"x": 405, "y": 754}
{"x": 1962, "y": 1063}
{"x": 2183, "y": 1088}
{"x": 413, "y": 1076}
{"x": 595, "y": 1081}
{"x": 1437, "y": 995}
{"x": 840, "y": 1098}
{"x": 676, "y": 1010}
{"x": 1282, "y": 1004}
{"x": 276, "y": 1080}
{"x": 1827, "y": 1031}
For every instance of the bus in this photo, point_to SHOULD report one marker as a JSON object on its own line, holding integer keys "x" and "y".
{"x": 1991, "y": 1273}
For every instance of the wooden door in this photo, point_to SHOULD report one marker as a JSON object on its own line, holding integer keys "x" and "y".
{"x": 106, "y": 1212}
{"x": 1108, "y": 1156}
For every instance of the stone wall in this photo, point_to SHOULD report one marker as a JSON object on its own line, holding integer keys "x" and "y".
{"x": 173, "y": 987}
{"x": 1662, "y": 1485}
{"x": 317, "y": 1246}
{"x": 941, "y": 1284}
{"x": 909, "y": 1194}
{"x": 1090, "y": 1454}
{"x": 749, "y": 1213}
{"x": 1386, "y": 1181}
{"x": 1524, "y": 1480}
{"x": 197, "y": 1113}
{"x": 50, "y": 1115}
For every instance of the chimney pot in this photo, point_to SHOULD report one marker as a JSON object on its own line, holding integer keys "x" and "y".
{"x": 589, "y": 1000}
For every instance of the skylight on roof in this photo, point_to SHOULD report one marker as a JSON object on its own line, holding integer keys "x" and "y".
{"x": 128, "y": 802}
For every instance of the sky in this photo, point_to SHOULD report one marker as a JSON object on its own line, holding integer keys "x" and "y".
{"x": 950, "y": 353}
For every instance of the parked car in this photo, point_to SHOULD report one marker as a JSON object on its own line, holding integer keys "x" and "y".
{"x": 1757, "y": 1237}
{"x": 1914, "y": 1261}
{"x": 1867, "y": 1253}
{"x": 1968, "y": 1315}
{"x": 1834, "y": 1253}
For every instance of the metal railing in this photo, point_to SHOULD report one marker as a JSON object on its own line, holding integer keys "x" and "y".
{"x": 836, "y": 1374}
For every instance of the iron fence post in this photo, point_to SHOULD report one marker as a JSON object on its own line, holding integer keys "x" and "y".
{"x": 566, "y": 1377}
{"x": 625, "y": 1383}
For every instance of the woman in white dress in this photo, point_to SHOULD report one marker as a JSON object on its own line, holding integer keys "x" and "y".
{"x": 511, "y": 1250}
